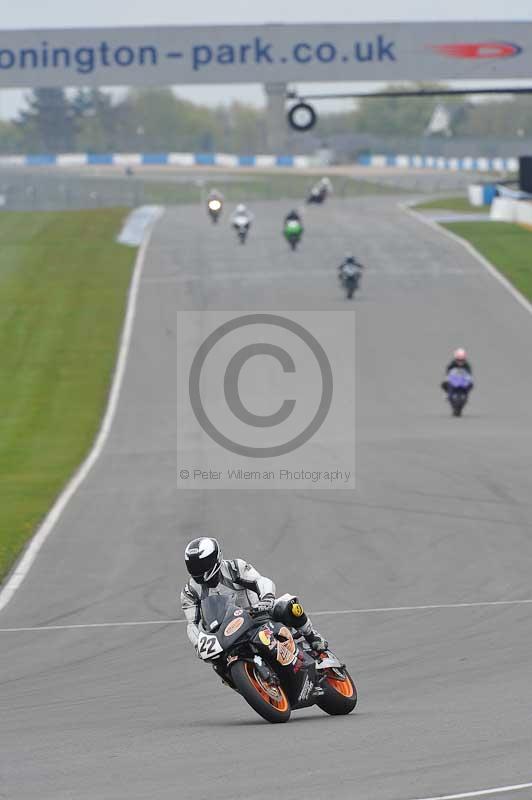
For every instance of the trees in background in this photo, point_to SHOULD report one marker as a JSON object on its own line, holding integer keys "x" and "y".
{"x": 499, "y": 117}
{"x": 507, "y": 117}
{"x": 155, "y": 120}
{"x": 148, "y": 120}
{"x": 47, "y": 125}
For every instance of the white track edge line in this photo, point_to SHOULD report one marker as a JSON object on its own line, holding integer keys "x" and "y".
{"x": 338, "y": 612}
{"x": 494, "y": 272}
{"x": 24, "y": 565}
{"x": 428, "y": 607}
{"x": 480, "y": 792}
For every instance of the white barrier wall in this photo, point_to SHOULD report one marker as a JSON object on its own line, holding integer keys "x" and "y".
{"x": 464, "y": 163}
{"x": 475, "y": 194}
{"x": 524, "y": 212}
{"x": 155, "y": 159}
{"x": 505, "y": 209}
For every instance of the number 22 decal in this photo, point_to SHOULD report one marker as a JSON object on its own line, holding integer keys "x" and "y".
{"x": 208, "y": 646}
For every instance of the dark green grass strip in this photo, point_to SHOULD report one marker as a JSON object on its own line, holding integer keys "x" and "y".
{"x": 508, "y": 247}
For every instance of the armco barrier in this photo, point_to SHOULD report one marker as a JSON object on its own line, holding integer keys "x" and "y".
{"x": 158, "y": 159}
{"x": 466, "y": 163}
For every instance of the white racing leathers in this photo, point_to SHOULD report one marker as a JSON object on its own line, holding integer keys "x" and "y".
{"x": 239, "y": 218}
{"x": 237, "y": 578}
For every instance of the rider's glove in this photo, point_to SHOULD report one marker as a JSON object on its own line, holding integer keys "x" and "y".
{"x": 317, "y": 643}
{"x": 263, "y": 606}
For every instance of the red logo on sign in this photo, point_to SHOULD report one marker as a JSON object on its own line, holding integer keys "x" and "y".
{"x": 476, "y": 50}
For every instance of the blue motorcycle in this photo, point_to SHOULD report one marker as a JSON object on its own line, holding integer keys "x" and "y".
{"x": 458, "y": 384}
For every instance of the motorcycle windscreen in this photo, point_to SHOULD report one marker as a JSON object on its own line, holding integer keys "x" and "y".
{"x": 215, "y": 608}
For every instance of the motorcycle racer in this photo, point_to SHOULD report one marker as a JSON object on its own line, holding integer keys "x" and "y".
{"x": 350, "y": 270}
{"x": 210, "y": 573}
{"x": 293, "y": 216}
{"x": 459, "y": 361}
{"x": 241, "y": 212}
{"x": 215, "y": 194}
{"x": 320, "y": 191}
{"x": 350, "y": 261}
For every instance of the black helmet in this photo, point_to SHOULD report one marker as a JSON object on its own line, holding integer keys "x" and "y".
{"x": 203, "y": 559}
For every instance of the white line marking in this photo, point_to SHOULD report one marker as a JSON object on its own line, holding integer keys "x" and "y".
{"x": 479, "y": 604}
{"x": 338, "y": 612}
{"x": 94, "y": 625}
{"x": 22, "y": 568}
{"x": 521, "y": 299}
{"x": 480, "y": 793}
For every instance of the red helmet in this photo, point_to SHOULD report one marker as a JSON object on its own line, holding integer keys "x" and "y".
{"x": 460, "y": 355}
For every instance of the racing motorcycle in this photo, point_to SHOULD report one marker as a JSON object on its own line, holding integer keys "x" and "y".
{"x": 260, "y": 658}
{"x": 458, "y": 384}
{"x": 241, "y": 225}
{"x": 350, "y": 278}
{"x": 318, "y": 194}
{"x": 214, "y": 207}
{"x": 293, "y": 230}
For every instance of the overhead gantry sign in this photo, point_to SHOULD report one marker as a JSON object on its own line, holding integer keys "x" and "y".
{"x": 158, "y": 56}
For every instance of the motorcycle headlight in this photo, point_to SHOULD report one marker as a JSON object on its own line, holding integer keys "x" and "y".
{"x": 215, "y": 205}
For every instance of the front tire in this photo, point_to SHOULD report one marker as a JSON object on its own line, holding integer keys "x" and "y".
{"x": 268, "y": 700}
{"x": 340, "y": 694}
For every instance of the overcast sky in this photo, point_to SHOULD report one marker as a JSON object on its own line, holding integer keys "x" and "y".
{"x": 100, "y": 13}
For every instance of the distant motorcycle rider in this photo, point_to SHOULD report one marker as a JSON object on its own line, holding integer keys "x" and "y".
{"x": 349, "y": 267}
{"x": 215, "y": 202}
{"x": 241, "y": 215}
{"x": 459, "y": 361}
{"x": 293, "y": 216}
{"x": 325, "y": 184}
{"x": 215, "y": 194}
{"x": 210, "y": 574}
{"x": 320, "y": 191}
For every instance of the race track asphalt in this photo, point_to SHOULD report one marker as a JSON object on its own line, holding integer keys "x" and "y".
{"x": 441, "y": 515}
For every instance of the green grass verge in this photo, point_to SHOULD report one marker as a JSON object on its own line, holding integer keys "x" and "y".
{"x": 63, "y": 290}
{"x": 507, "y": 247}
{"x": 452, "y": 204}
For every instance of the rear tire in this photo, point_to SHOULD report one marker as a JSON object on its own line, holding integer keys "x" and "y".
{"x": 270, "y": 702}
{"x": 340, "y": 695}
